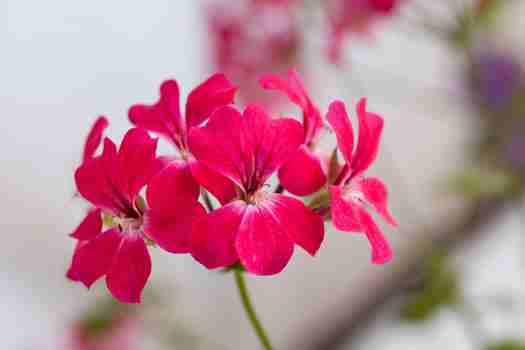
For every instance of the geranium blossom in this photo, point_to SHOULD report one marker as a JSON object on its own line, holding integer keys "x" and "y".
{"x": 111, "y": 183}
{"x": 353, "y": 17}
{"x": 258, "y": 228}
{"x": 165, "y": 118}
{"x": 249, "y": 38}
{"x": 352, "y": 192}
{"x": 306, "y": 161}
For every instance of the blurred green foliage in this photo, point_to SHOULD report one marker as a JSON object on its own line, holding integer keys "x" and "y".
{"x": 473, "y": 19}
{"x": 438, "y": 286}
{"x": 506, "y": 345}
{"x": 477, "y": 183}
{"x": 103, "y": 317}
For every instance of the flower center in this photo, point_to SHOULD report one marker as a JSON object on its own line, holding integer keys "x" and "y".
{"x": 131, "y": 224}
{"x": 257, "y": 197}
{"x": 352, "y": 193}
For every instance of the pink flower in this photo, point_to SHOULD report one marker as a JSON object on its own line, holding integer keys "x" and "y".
{"x": 258, "y": 228}
{"x": 92, "y": 221}
{"x": 353, "y": 17}
{"x": 101, "y": 331}
{"x": 305, "y": 161}
{"x": 111, "y": 183}
{"x": 164, "y": 117}
{"x": 252, "y": 37}
{"x": 352, "y": 192}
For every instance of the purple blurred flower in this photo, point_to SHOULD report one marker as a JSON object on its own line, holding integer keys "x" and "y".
{"x": 496, "y": 79}
{"x": 515, "y": 150}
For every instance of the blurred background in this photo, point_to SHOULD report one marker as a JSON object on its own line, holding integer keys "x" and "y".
{"x": 447, "y": 77}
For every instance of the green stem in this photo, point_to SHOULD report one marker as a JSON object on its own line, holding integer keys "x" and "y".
{"x": 250, "y": 311}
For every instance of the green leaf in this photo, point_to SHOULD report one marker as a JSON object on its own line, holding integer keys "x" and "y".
{"x": 439, "y": 286}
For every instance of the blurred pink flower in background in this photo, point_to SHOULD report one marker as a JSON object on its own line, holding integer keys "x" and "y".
{"x": 346, "y": 17}
{"x": 253, "y": 37}
{"x": 121, "y": 336}
{"x": 106, "y": 325}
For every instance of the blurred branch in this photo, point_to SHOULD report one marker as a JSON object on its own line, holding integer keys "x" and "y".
{"x": 454, "y": 235}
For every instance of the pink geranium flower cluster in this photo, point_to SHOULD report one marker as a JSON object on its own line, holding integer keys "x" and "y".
{"x": 347, "y": 17}
{"x": 250, "y": 37}
{"x": 139, "y": 199}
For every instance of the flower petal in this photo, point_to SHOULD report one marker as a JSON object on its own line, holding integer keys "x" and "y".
{"x": 339, "y": 121}
{"x": 94, "y": 180}
{"x": 221, "y": 187}
{"x": 213, "y": 236}
{"x": 215, "y": 92}
{"x": 137, "y": 162}
{"x": 370, "y": 129}
{"x": 269, "y": 142}
{"x": 90, "y": 227}
{"x": 164, "y": 116}
{"x": 217, "y": 146}
{"x": 302, "y": 225}
{"x": 303, "y": 174}
{"x": 245, "y": 149}
{"x": 263, "y": 245}
{"x": 172, "y": 195}
{"x": 294, "y": 88}
{"x": 130, "y": 270}
{"x": 345, "y": 216}
{"x": 94, "y": 138}
{"x": 381, "y": 251}
{"x": 376, "y": 194}
{"x": 295, "y": 93}
{"x": 93, "y": 259}
{"x": 384, "y": 7}
{"x": 174, "y": 183}
{"x": 72, "y": 273}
